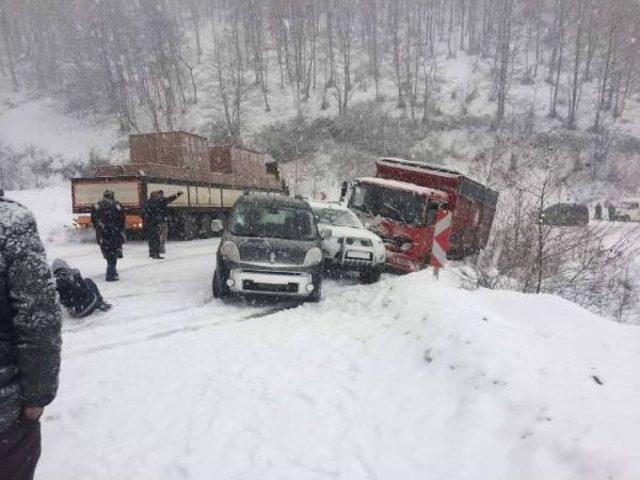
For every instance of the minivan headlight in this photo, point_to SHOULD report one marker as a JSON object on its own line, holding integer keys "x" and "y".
{"x": 229, "y": 251}
{"x": 313, "y": 257}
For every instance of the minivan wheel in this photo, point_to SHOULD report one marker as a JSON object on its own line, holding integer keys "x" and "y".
{"x": 316, "y": 295}
{"x": 219, "y": 286}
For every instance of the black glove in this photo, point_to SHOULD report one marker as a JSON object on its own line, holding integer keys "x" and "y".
{"x": 180, "y": 194}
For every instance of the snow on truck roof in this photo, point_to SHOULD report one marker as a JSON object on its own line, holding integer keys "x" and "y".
{"x": 407, "y": 187}
{"x": 328, "y": 205}
{"x": 419, "y": 167}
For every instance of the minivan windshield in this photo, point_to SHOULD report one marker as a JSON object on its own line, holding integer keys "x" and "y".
{"x": 337, "y": 217}
{"x": 398, "y": 205}
{"x": 254, "y": 220}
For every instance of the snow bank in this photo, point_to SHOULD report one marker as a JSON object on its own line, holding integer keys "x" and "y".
{"x": 52, "y": 209}
{"x": 410, "y": 378}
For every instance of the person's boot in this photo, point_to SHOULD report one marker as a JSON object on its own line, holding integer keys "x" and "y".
{"x": 111, "y": 274}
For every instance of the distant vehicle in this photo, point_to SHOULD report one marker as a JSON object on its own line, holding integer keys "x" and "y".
{"x": 628, "y": 211}
{"x": 270, "y": 246}
{"x": 401, "y": 204}
{"x": 565, "y": 214}
{"x": 212, "y": 178}
{"x": 351, "y": 246}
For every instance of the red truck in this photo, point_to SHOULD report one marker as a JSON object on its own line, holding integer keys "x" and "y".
{"x": 401, "y": 202}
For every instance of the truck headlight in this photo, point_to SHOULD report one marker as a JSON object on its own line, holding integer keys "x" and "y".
{"x": 229, "y": 251}
{"x": 406, "y": 246}
{"x": 313, "y": 257}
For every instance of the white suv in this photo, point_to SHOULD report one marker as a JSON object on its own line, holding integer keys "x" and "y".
{"x": 350, "y": 245}
{"x": 629, "y": 210}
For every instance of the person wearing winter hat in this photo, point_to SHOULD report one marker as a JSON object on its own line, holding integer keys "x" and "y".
{"x": 80, "y": 296}
{"x": 108, "y": 220}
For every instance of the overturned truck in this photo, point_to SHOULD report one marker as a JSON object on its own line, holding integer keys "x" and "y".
{"x": 212, "y": 178}
{"x": 402, "y": 203}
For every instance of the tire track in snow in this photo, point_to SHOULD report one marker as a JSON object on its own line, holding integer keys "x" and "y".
{"x": 174, "y": 331}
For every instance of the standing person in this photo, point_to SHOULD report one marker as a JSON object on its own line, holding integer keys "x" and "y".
{"x": 156, "y": 217}
{"x": 29, "y": 341}
{"x": 108, "y": 220}
{"x": 80, "y": 296}
{"x": 598, "y": 212}
{"x": 612, "y": 212}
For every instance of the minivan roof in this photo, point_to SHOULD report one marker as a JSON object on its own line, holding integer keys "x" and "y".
{"x": 276, "y": 200}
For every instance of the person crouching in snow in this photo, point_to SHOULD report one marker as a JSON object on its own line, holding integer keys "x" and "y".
{"x": 80, "y": 296}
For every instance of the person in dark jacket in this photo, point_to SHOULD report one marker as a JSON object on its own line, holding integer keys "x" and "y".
{"x": 29, "y": 341}
{"x": 155, "y": 216}
{"x": 611, "y": 209}
{"x": 108, "y": 221}
{"x": 598, "y": 212}
{"x": 80, "y": 296}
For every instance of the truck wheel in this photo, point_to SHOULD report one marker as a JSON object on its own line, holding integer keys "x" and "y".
{"x": 370, "y": 275}
{"x": 219, "y": 286}
{"x": 205, "y": 226}
{"x": 188, "y": 227}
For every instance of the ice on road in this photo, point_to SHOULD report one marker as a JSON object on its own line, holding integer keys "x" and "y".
{"x": 410, "y": 378}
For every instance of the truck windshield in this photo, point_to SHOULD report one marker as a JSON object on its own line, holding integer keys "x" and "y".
{"x": 630, "y": 205}
{"x": 398, "y": 205}
{"x": 252, "y": 220}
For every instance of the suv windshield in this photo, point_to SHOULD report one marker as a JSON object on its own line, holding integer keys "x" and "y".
{"x": 398, "y": 205}
{"x": 254, "y": 220}
{"x": 333, "y": 216}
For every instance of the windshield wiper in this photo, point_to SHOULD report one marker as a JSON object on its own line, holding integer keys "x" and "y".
{"x": 396, "y": 211}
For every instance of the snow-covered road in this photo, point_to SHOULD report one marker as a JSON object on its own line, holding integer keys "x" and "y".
{"x": 409, "y": 378}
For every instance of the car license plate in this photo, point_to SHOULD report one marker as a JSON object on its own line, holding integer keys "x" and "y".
{"x": 358, "y": 255}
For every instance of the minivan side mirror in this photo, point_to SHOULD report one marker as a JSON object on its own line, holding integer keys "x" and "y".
{"x": 217, "y": 225}
{"x": 326, "y": 234}
{"x": 343, "y": 190}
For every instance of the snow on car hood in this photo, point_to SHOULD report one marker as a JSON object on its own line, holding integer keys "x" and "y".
{"x": 342, "y": 231}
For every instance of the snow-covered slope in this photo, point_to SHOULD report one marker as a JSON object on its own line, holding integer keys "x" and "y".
{"x": 52, "y": 208}
{"x": 410, "y": 378}
{"x": 42, "y": 123}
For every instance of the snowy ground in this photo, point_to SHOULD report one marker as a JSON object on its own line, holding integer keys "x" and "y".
{"x": 410, "y": 378}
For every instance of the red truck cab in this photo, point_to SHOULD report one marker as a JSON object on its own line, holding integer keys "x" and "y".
{"x": 401, "y": 202}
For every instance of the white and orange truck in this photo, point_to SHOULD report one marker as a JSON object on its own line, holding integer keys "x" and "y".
{"x": 212, "y": 178}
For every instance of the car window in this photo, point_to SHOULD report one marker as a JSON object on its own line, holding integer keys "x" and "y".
{"x": 253, "y": 220}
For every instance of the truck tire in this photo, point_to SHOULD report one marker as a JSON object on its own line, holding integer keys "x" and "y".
{"x": 205, "y": 226}
{"x": 188, "y": 226}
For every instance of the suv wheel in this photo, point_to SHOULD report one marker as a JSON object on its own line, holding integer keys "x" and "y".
{"x": 370, "y": 275}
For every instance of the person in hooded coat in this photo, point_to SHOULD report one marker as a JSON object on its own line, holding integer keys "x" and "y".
{"x": 108, "y": 221}
{"x": 155, "y": 216}
{"x": 80, "y": 296}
